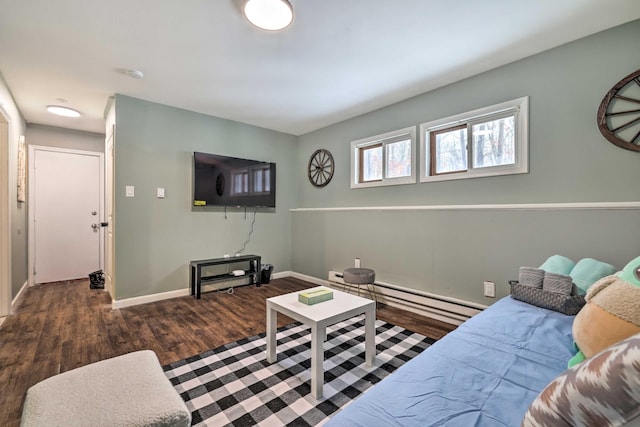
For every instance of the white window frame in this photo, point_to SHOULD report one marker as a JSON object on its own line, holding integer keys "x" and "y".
{"x": 383, "y": 139}
{"x": 520, "y": 109}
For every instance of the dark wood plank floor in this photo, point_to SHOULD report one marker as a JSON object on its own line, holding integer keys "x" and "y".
{"x": 65, "y": 325}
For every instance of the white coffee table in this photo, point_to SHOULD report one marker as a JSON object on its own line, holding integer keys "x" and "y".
{"x": 318, "y": 316}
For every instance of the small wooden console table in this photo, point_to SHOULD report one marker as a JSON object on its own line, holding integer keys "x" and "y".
{"x": 251, "y": 268}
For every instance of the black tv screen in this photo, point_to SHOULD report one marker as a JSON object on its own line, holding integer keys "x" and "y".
{"x": 230, "y": 181}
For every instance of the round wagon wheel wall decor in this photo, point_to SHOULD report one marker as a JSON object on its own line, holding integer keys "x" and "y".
{"x": 619, "y": 113}
{"x": 320, "y": 170}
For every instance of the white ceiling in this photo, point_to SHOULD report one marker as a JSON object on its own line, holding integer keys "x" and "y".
{"x": 339, "y": 59}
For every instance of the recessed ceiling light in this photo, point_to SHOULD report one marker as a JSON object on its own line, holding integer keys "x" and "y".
{"x": 271, "y": 15}
{"x": 135, "y": 74}
{"x": 63, "y": 111}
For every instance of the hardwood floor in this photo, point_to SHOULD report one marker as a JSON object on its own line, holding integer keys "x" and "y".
{"x": 65, "y": 325}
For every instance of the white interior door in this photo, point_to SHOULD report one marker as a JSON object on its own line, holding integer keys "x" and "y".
{"x": 67, "y": 207}
{"x": 109, "y": 244}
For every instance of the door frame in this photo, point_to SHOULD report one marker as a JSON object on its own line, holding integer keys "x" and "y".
{"x": 32, "y": 207}
{"x": 109, "y": 245}
{"x": 5, "y": 217}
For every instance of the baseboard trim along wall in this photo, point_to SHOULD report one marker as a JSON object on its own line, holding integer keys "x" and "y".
{"x": 445, "y": 309}
{"x": 145, "y": 299}
{"x": 18, "y": 299}
{"x": 506, "y": 206}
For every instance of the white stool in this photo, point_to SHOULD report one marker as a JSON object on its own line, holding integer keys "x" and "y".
{"x": 128, "y": 390}
{"x": 360, "y": 277}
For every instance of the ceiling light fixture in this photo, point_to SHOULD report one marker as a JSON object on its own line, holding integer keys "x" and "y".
{"x": 136, "y": 74}
{"x": 131, "y": 72}
{"x": 270, "y": 15}
{"x": 63, "y": 111}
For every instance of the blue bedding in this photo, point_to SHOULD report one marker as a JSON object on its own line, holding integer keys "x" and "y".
{"x": 485, "y": 373}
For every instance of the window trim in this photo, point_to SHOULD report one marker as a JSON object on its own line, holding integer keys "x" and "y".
{"x": 519, "y": 106}
{"x": 383, "y": 140}
{"x": 432, "y": 147}
{"x": 361, "y": 150}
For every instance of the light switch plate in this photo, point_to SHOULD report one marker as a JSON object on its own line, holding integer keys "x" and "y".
{"x": 160, "y": 193}
{"x": 129, "y": 191}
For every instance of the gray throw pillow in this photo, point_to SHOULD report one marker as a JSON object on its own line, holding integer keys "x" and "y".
{"x": 602, "y": 391}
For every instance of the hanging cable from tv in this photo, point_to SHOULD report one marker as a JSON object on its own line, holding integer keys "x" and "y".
{"x": 253, "y": 222}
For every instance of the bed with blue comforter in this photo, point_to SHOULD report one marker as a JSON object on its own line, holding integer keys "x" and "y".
{"x": 485, "y": 373}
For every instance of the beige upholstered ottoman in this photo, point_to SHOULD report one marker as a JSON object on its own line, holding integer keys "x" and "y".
{"x": 128, "y": 390}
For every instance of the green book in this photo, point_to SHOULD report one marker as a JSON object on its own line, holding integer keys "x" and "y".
{"x": 314, "y": 297}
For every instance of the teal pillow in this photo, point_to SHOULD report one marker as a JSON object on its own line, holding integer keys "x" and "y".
{"x": 558, "y": 264}
{"x": 588, "y": 271}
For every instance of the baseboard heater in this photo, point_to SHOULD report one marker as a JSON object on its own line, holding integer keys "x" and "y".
{"x": 449, "y": 310}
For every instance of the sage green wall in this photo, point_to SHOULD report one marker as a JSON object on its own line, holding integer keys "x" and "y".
{"x": 17, "y": 128}
{"x": 156, "y": 238}
{"x": 51, "y": 136}
{"x": 452, "y": 252}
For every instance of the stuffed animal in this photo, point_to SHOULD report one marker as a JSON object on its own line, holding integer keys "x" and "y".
{"x": 612, "y": 313}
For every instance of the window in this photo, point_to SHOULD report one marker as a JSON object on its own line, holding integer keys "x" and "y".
{"x": 486, "y": 142}
{"x": 387, "y": 159}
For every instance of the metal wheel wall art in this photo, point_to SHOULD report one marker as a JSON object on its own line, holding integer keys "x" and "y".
{"x": 619, "y": 113}
{"x": 321, "y": 166}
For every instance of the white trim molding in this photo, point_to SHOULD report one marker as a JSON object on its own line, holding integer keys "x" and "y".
{"x": 5, "y": 214}
{"x": 517, "y": 108}
{"x": 145, "y": 299}
{"x": 19, "y": 296}
{"x": 445, "y": 309}
{"x": 383, "y": 140}
{"x": 487, "y": 207}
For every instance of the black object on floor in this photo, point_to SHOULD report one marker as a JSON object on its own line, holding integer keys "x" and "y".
{"x": 96, "y": 280}
{"x": 265, "y": 273}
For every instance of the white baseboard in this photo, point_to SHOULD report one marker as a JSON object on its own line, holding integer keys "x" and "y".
{"x": 446, "y": 309}
{"x": 281, "y": 275}
{"x": 309, "y": 279}
{"x": 19, "y": 296}
{"x": 145, "y": 299}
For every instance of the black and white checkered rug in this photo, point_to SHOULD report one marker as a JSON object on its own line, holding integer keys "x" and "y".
{"x": 234, "y": 384}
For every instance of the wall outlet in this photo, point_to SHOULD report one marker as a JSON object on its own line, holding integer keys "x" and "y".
{"x": 226, "y": 255}
{"x": 489, "y": 289}
{"x": 356, "y": 262}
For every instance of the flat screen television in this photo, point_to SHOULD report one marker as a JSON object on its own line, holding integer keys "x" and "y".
{"x": 230, "y": 181}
